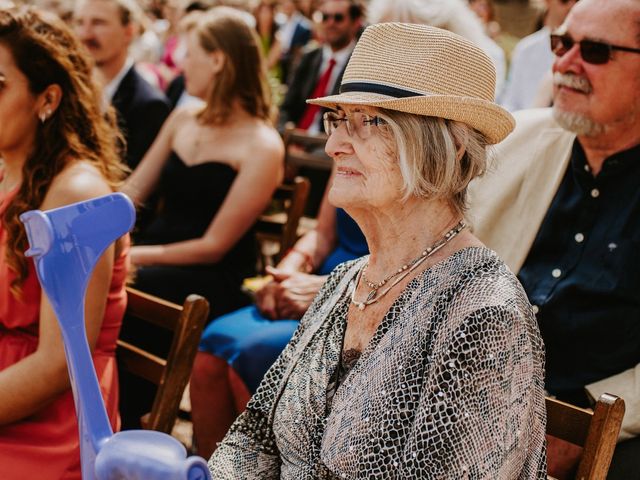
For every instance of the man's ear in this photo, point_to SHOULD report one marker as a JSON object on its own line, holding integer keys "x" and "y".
{"x": 48, "y": 101}
{"x": 130, "y": 32}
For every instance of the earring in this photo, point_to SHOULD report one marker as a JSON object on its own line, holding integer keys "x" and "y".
{"x": 44, "y": 116}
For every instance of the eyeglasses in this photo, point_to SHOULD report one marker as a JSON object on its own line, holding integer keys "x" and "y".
{"x": 337, "y": 17}
{"x": 593, "y": 52}
{"x": 357, "y": 123}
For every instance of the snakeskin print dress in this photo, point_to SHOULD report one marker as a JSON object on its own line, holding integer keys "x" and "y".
{"x": 450, "y": 386}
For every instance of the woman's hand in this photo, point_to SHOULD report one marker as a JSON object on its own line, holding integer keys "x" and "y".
{"x": 266, "y": 299}
{"x": 289, "y": 294}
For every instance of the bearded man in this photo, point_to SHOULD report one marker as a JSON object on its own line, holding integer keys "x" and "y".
{"x": 562, "y": 208}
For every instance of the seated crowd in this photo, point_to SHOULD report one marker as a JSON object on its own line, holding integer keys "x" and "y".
{"x": 468, "y": 254}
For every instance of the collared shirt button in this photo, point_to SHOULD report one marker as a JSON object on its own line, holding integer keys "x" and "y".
{"x": 556, "y": 272}
{"x": 595, "y": 193}
{"x": 586, "y": 167}
{"x": 579, "y": 237}
{"x": 535, "y": 309}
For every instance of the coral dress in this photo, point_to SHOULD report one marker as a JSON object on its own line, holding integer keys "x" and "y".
{"x": 45, "y": 445}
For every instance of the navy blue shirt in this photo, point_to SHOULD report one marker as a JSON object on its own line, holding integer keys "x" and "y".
{"x": 582, "y": 274}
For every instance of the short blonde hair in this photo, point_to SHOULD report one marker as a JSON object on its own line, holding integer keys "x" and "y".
{"x": 438, "y": 157}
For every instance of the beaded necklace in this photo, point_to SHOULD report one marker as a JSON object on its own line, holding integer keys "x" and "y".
{"x": 403, "y": 271}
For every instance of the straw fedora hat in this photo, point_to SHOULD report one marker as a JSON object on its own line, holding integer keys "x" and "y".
{"x": 425, "y": 71}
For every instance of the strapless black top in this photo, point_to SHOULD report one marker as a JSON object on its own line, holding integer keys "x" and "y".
{"x": 191, "y": 196}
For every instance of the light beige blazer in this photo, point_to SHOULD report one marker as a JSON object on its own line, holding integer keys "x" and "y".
{"x": 509, "y": 203}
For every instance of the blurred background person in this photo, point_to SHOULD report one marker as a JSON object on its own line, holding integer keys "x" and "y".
{"x": 321, "y": 69}
{"x": 264, "y": 13}
{"x": 215, "y": 167}
{"x": 529, "y": 83}
{"x": 62, "y": 8}
{"x": 57, "y": 147}
{"x": 294, "y": 34}
{"x": 486, "y": 12}
{"x": 107, "y": 28}
{"x": 452, "y": 15}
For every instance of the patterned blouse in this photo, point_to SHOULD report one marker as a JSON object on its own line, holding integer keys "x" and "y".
{"x": 450, "y": 386}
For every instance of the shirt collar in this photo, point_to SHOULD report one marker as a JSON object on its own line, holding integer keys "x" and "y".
{"x": 618, "y": 163}
{"x": 341, "y": 56}
{"x": 111, "y": 87}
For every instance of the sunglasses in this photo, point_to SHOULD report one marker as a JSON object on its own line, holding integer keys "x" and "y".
{"x": 358, "y": 124}
{"x": 337, "y": 17}
{"x": 593, "y": 52}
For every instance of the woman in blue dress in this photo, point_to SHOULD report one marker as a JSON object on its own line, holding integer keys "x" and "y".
{"x": 237, "y": 349}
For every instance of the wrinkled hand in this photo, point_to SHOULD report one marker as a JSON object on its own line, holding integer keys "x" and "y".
{"x": 289, "y": 295}
{"x": 266, "y": 299}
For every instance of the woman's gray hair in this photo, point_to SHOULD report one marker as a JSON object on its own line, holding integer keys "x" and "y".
{"x": 438, "y": 157}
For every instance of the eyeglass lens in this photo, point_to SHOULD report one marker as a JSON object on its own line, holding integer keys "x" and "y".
{"x": 590, "y": 51}
{"x": 337, "y": 17}
{"x": 357, "y": 123}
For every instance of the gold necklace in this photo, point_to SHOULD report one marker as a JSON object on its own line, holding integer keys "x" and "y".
{"x": 407, "y": 268}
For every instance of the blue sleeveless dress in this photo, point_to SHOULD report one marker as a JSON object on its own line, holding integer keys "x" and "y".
{"x": 251, "y": 342}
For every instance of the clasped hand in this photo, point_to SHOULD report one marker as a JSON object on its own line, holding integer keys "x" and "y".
{"x": 289, "y": 294}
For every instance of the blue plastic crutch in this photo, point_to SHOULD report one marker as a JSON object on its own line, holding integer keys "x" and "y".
{"x": 66, "y": 243}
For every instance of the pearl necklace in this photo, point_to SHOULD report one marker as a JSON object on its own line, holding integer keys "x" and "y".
{"x": 403, "y": 271}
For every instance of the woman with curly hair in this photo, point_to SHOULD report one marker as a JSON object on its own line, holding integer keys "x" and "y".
{"x": 57, "y": 146}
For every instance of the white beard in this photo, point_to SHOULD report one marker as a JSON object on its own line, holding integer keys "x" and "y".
{"x": 577, "y": 123}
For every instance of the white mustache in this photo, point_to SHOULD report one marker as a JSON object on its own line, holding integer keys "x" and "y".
{"x": 572, "y": 80}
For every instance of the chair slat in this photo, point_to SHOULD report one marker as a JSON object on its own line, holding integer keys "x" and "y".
{"x": 170, "y": 374}
{"x": 595, "y": 431}
{"x": 140, "y": 362}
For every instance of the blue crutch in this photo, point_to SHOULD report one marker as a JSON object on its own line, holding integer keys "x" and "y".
{"x": 66, "y": 243}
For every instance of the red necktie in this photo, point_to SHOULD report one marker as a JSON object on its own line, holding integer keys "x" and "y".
{"x": 320, "y": 90}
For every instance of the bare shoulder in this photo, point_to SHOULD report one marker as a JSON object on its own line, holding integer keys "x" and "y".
{"x": 179, "y": 116}
{"x": 78, "y": 181}
{"x": 265, "y": 143}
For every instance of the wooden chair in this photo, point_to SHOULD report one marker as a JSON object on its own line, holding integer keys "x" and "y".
{"x": 306, "y": 149}
{"x": 305, "y": 156}
{"x": 170, "y": 374}
{"x": 595, "y": 431}
{"x": 281, "y": 227}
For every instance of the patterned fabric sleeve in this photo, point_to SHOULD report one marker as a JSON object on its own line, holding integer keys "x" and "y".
{"x": 476, "y": 415}
{"x": 249, "y": 450}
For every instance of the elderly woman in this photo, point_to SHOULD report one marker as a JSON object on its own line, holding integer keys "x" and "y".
{"x": 422, "y": 360}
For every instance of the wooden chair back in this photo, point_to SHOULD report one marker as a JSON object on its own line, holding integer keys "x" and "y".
{"x": 595, "y": 431}
{"x": 306, "y": 149}
{"x": 170, "y": 374}
{"x": 281, "y": 227}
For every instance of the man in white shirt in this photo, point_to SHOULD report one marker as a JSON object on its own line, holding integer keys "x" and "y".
{"x": 531, "y": 60}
